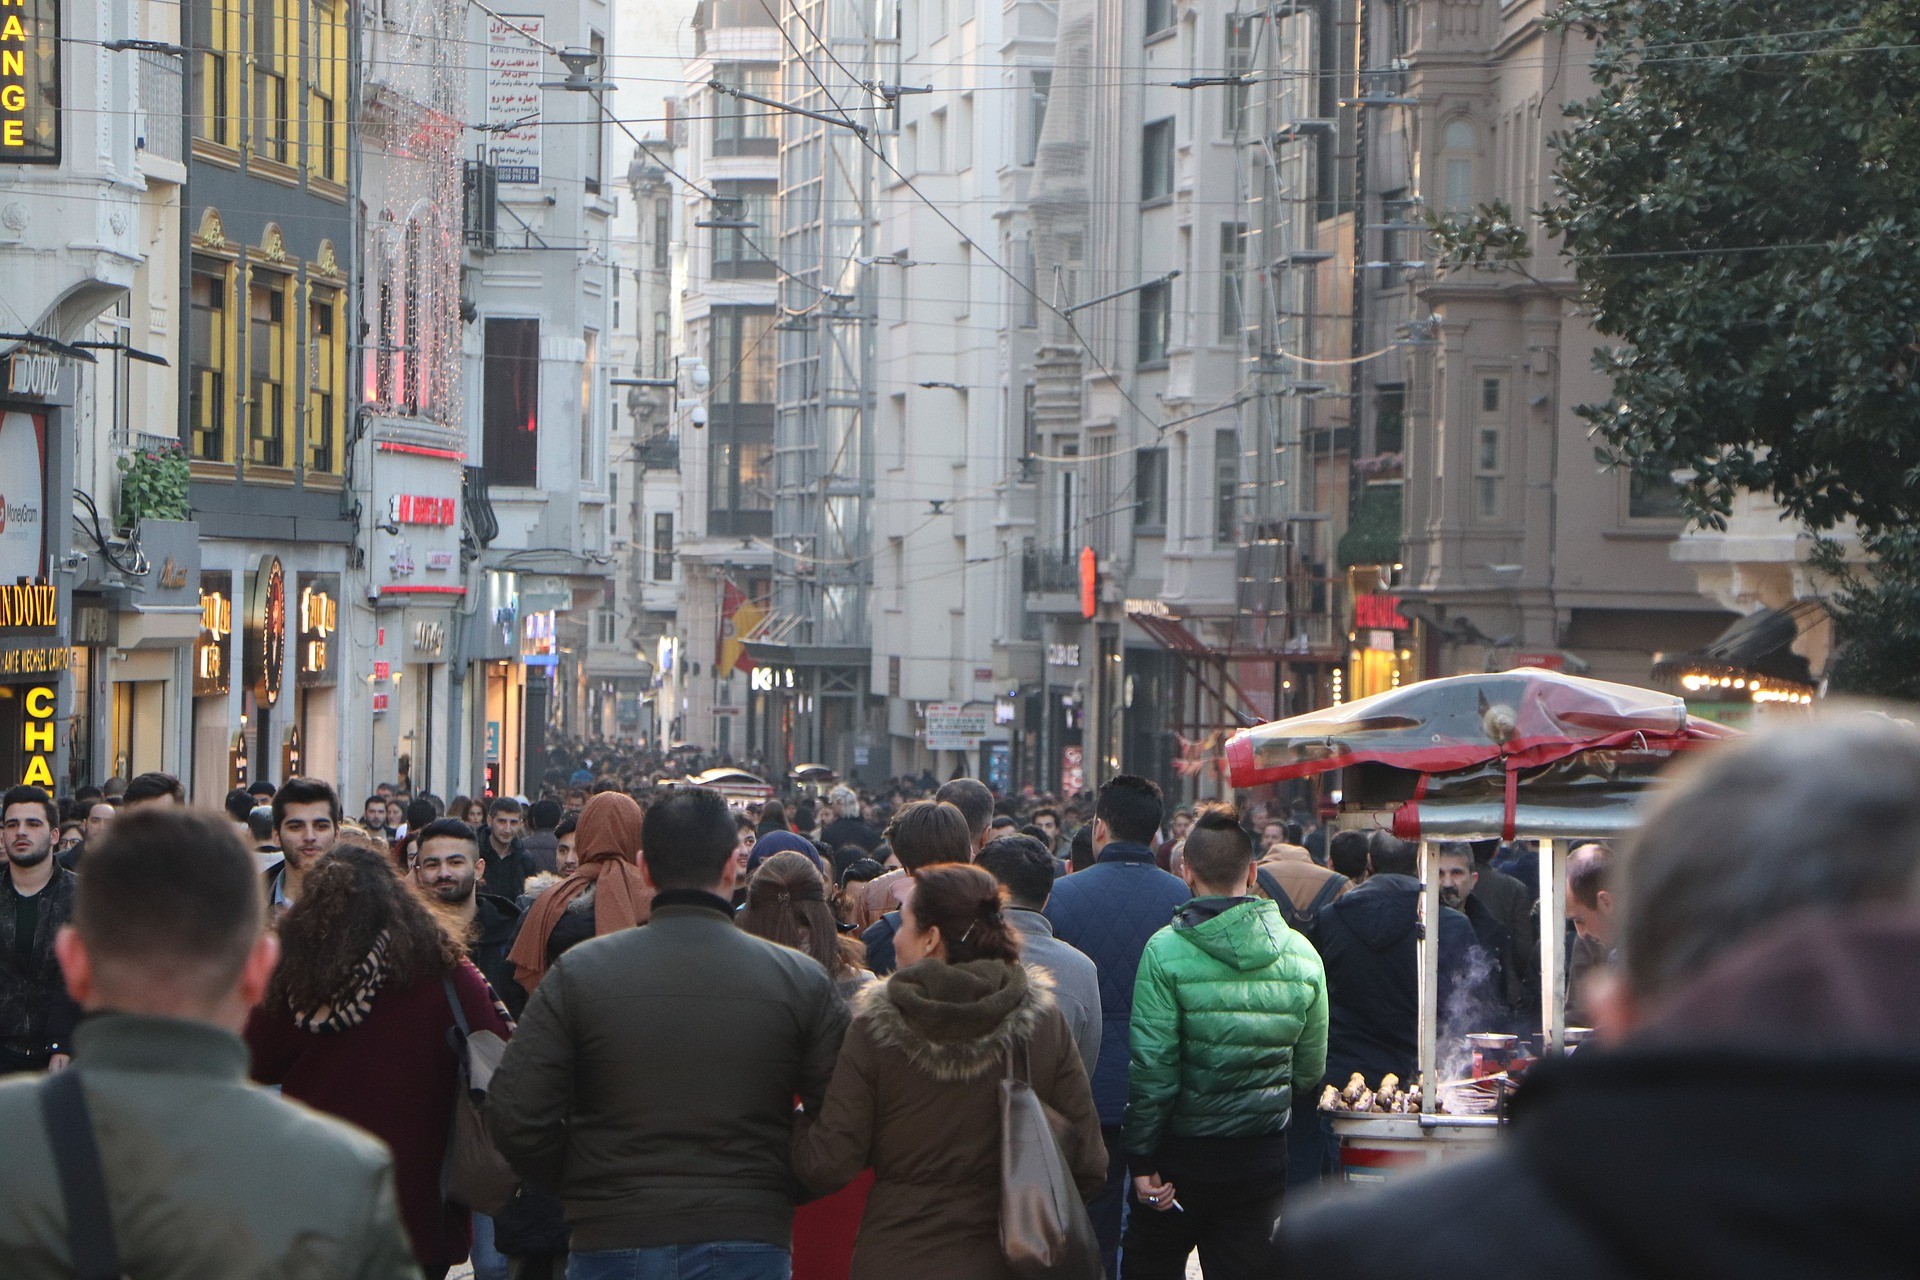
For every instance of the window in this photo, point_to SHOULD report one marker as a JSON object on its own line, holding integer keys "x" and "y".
{"x": 742, "y": 358}
{"x": 1068, "y": 495}
{"x": 1226, "y": 487}
{"x": 510, "y": 402}
{"x": 1156, "y": 316}
{"x": 966, "y": 281}
{"x": 910, "y": 150}
{"x": 1459, "y": 142}
{"x": 1034, "y": 119}
{"x": 1027, "y": 300}
{"x": 742, "y": 128}
{"x": 736, "y": 250}
{"x": 603, "y": 626}
{"x": 210, "y": 346}
{"x": 268, "y": 379}
{"x": 662, "y": 234}
{"x": 1389, "y": 418}
{"x": 1159, "y": 16}
{"x": 663, "y": 546}
{"x": 618, "y": 273}
{"x": 1241, "y": 31}
{"x": 589, "y": 378}
{"x": 1156, "y": 161}
{"x": 1233, "y": 266}
{"x": 217, "y": 34}
{"x": 327, "y": 91}
{"x": 1489, "y": 456}
{"x": 326, "y": 380}
{"x": 1150, "y": 488}
{"x": 1652, "y": 495}
{"x": 1393, "y": 244}
{"x": 597, "y": 128}
{"x": 272, "y": 133}
{"x": 739, "y": 479}
{"x": 963, "y": 135}
{"x": 937, "y": 142}
{"x": 661, "y": 356}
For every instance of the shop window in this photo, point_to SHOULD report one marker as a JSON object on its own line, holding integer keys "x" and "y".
{"x": 268, "y": 375}
{"x": 510, "y": 402}
{"x": 326, "y": 380}
{"x": 210, "y": 358}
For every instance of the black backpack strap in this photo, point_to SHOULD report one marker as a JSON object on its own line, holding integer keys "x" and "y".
{"x": 1331, "y": 889}
{"x": 456, "y": 1034}
{"x": 1289, "y": 912}
{"x": 83, "y": 1183}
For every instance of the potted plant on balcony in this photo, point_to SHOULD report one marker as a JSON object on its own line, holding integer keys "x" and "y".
{"x": 153, "y": 486}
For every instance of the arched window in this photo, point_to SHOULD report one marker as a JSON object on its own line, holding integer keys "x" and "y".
{"x": 1459, "y": 144}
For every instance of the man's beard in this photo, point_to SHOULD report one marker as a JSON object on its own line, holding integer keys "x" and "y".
{"x": 455, "y": 894}
{"x": 19, "y": 859}
{"x": 1450, "y": 899}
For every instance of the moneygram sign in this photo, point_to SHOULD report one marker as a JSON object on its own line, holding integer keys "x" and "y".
{"x": 29, "y": 81}
{"x": 23, "y": 481}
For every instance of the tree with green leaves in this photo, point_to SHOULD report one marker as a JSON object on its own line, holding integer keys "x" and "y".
{"x": 1740, "y": 199}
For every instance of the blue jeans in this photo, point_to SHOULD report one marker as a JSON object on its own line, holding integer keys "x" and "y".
{"x": 720, "y": 1260}
{"x": 488, "y": 1263}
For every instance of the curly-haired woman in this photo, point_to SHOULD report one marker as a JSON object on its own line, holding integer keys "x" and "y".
{"x": 355, "y": 1024}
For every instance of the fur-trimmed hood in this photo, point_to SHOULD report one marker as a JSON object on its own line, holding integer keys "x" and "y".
{"x": 957, "y": 1021}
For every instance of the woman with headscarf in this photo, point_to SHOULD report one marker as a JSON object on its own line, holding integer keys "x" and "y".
{"x": 606, "y": 894}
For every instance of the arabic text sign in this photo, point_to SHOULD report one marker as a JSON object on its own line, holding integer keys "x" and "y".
{"x": 515, "y": 67}
{"x": 953, "y": 727}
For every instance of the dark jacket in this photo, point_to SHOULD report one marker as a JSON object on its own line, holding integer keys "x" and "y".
{"x": 37, "y": 1015}
{"x": 496, "y": 922}
{"x": 544, "y": 848}
{"x": 1512, "y": 903}
{"x": 1367, "y": 942}
{"x": 1699, "y": 1150}
{"x": 1229, "y": 1027}
{"x": 1108, "y": 912}
{"x": 207, "y": 1176}
{"x": 393, "y": 1075}
{"x": 878, "y": 940}
{"x": 916, "y": 1098}
{"x": 652, "y": 1081}
{"x": 845, "y": 831}
{"x": 505, "y": 877}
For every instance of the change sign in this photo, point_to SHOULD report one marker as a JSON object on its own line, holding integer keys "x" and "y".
{"x": 29, "y": 81}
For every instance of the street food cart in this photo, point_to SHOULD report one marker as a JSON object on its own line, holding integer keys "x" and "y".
{"x": 740, "y": 788}
{"x": 1526, "y": 754}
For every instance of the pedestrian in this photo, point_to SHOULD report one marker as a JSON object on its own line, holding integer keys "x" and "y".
{"x": 975, "y": 803}
{"x": 373, "y": 816}
{"x": 1754, "y": 974}
{"x": 607, "y": 893}
{"x": 505, "y": 864}
{"x": 787, "y": 904}
{"x": 37, "y": 1016}
{"x": 446, "y": 869}
{"x": 540, "y": 841}
{"x": 306, "y": 821}
{"x": 151, "y": 789}
{"x": 652, "y": 1081}
{"x": 356, "y": 1024}
{"x": 1347, "y": 855}
{"x": 1229, "y": 1036}
{"x": 1026, "y": 871}
{"x": 1506, "y": 1010}
{"x": 200, "y": 1174}
{"x": 848, "y": 826}
{"x": 773, "y": 817}
{"x": 566, "y": 845}
{"x": 922, "y": 834}
{"x": 1302, "y": 887}
{"x": 916, "y": 1093}
{"x": 1177, "y": 827}
{"x": 1108, "y": 911}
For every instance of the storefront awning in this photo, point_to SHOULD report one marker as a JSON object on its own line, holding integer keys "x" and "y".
{"x": 1760, "y": 644}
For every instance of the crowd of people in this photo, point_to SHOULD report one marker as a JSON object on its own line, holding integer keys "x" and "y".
{"x": 774, "y": 1041}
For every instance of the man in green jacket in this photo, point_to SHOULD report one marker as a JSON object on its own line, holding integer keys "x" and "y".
{"x": 201, "y": 1173}
{"x": 1229, "y": 1028}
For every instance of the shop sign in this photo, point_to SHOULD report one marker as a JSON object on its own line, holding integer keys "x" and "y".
{"x": 33, "y": 373}
{"x": 266, "y": 634}
{"x": 319, "y": 618}
{"x": 1063, "y": 655}
{"x": 538, "y": 646}
{"x": 493, "y": 742}
{"x": 383, "y": 670}
{"x": 439, "y": 561}
{"x": 37, "y": 736}
{"x": 30, "y": 82}
{"x": 768, "y": 679}
{"x": 417, "y": 508}
{"x": 515, "y": 67}
{"x": 29, "y": 606}
{"x": 1378, "y": 612}
{"x": 954, "y": 727}
{"x": 1073, "y": 773}
{"x": 172, "y": 547}
{"x": 23, "y": 486}
{"x": 35, "y": 662}
{"x": 429, "y": 639}
{"x": 380, "y": 704}
{"x": 211, "y": 673}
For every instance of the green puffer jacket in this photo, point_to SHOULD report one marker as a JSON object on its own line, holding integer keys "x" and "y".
{"x": 1229, "y": 1021}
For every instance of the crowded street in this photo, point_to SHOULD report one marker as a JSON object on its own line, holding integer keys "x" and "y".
{"x": 1054, "y": 640}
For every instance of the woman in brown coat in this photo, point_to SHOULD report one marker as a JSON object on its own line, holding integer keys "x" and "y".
{"x": 916, "y": 1093}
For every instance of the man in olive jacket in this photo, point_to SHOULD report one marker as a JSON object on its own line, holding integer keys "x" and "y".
{"x": 652, "y": 1081}
{"x": 204, "y": 1174}
{"x": 1229, "y": 1033}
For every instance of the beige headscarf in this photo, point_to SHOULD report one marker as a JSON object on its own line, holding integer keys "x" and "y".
{"x": 608, "y": 839}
